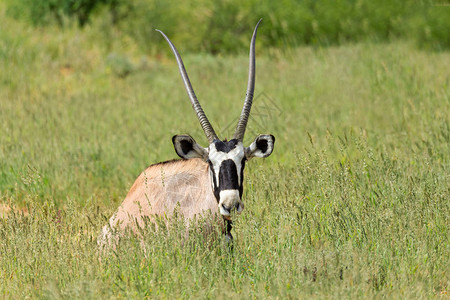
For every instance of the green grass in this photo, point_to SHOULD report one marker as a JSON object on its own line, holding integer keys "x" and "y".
{"x": 224, "y": 26}
{"x": 353, "y": 203}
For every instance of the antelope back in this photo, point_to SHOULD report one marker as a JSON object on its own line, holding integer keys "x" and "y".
{"x": 159, "y": 189}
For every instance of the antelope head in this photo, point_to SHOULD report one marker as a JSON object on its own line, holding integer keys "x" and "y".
{"x": 226, "y": 159}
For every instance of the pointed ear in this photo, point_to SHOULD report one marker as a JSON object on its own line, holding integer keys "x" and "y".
{"x": 261, "y": 147}
{"x": 186, "y": 147}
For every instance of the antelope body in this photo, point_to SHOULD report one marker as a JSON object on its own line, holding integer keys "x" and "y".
{"x": 205, "y": 181}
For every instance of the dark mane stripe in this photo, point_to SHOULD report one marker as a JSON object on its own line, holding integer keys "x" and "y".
{"x": 166, "y": 162}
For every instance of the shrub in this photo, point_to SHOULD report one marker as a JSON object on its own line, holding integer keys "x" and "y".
{"x": 225, "y": 26}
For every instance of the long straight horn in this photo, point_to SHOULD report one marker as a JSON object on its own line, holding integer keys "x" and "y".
{"x": 207, "y": 128}
{"x": 243, "y": 119}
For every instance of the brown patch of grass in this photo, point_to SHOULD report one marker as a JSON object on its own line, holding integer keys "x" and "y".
{"x": 6, "y": 209}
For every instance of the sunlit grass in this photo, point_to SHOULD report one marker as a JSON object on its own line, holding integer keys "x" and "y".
{"x": 352, "y": 203}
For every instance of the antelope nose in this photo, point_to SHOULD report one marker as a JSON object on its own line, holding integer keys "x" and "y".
{"x": 224, "y": 210}
{"x": 227, "y": 209}
{"x": 229, "y": 200}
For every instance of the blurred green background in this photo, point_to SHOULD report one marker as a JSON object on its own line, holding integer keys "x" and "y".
{"x": 222, "y": 26}
{"x": 353, "y": 203}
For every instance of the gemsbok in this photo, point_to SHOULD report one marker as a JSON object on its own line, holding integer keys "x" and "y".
{"x": 204, "y": 180}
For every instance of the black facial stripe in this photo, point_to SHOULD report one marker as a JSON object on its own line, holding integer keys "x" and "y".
{"x": 262, "y": 145}
{"x": 241, "y": 186}
{"x": 228, "y": 177}
{"x": 226, "y": 146}
{"x": 215, "y": 186}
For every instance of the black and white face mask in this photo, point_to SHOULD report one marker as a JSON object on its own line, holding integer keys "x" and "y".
{"x": 226, "y": 161}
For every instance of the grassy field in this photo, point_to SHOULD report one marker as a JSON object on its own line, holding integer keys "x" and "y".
{"x": 353, "y": 203}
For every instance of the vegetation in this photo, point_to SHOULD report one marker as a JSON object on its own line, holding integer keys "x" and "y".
{"x": 353, "y": 203}
{"x": 222, "y": 26}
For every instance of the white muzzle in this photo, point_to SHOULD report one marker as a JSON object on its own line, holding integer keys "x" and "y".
{"x": 229, "y": 200}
